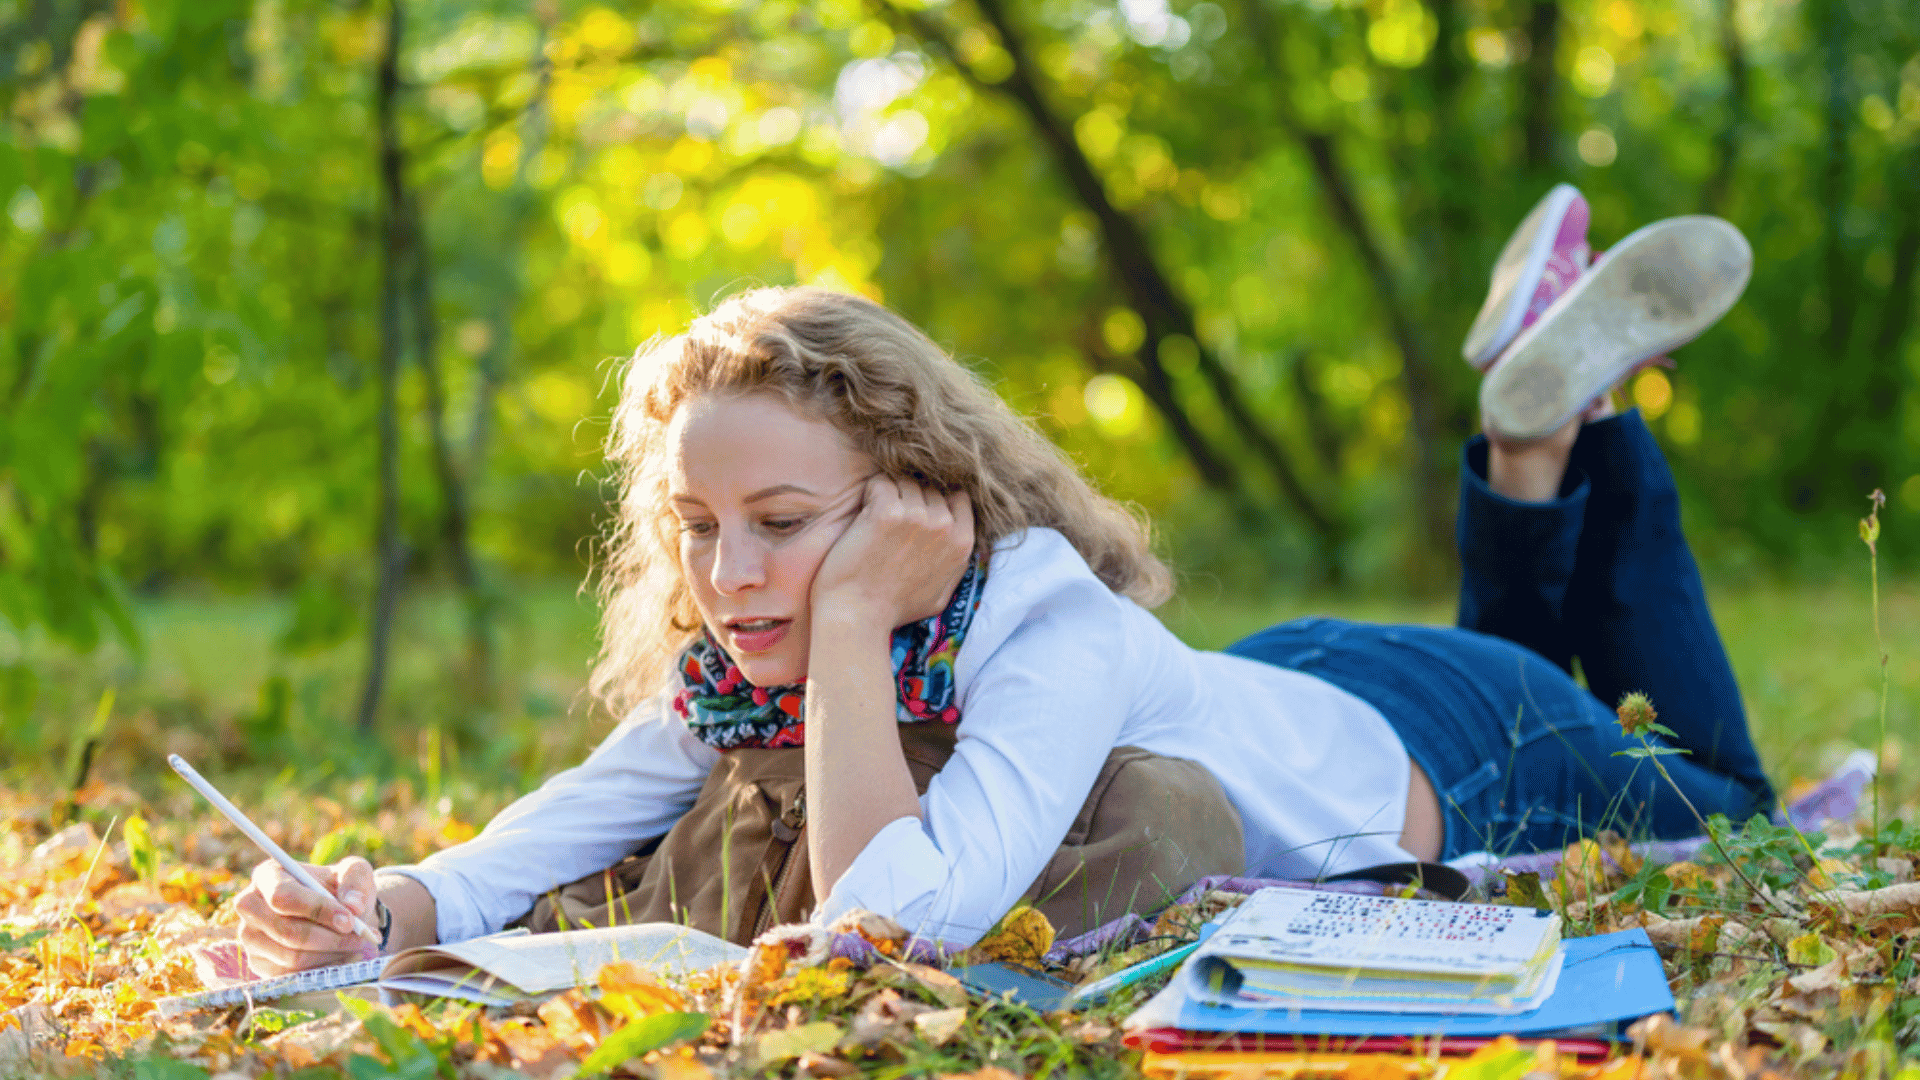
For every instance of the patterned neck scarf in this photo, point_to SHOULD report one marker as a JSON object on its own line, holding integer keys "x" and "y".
{"x": 729, "y": 713}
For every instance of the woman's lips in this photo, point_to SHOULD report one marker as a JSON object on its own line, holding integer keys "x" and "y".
{"x": 756, "y": 641}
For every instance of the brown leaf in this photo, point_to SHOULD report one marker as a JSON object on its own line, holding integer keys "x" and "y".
{"x": 1662, "y": 1034}
{"x": 1625, "y": 860}
{"x": 884, "y": 1018}
{"x": 944, "y": 987}
{"x": 1895, "y": 907}
{"x": 823, "y": 1065}
{"x": 1694, "y": 935}
{"x": 1090, "y": 1032}
{"x": 881, "y": 932}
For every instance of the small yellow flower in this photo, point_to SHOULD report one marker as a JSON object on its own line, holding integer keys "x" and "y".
{"x": 1636, "y": 713}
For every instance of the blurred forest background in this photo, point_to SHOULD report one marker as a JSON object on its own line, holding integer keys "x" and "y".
{"x": 309, "y": 309}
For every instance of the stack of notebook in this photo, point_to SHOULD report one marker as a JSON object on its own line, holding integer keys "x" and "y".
{"x": 1297, "y": 949}
{"x": 1294, "y": 968}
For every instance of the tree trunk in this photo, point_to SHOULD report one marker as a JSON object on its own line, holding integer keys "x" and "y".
{"x": 1542, "y": 83}
{"x": 1733, "y": 51}
{"x": 1431, "y": 480}
{"x": 1137, "y": 271}
{"x": 454, "y": 503}
{"x": 1884, "y": 384}
{"x": 388, "y": 555}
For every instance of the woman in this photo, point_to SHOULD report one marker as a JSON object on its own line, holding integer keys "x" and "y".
{"x": 819, "y": 506}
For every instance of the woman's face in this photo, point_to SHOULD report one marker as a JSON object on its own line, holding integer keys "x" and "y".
{"x": 761, "y": 494}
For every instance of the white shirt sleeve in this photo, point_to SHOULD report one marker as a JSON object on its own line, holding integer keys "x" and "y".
{"x": 633, "y": 787}
{"x": 1036, "y": 726}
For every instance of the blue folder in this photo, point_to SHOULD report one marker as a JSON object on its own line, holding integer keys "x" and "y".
{"x": 1607, "y": 980}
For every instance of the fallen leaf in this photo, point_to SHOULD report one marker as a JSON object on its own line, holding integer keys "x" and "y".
{"x": 884, "y": 1018}
{"x": 1686, "y": 876}
{"x": 1583, "y": 871}
{"x": 773, "y": 1047}
{"x": 1023, "y": 937}
{"x": 823, "y": 1065}
{"x": 1811, "y": 950}
{"x": 653, "y": 1033}
{"x": 1090, "y": 1032}
{"x": 941, "y": 985}
{"x": 1524, "y": 890}
{"x": 632, "y": 993}
{"x": 941, "y": 1025}
{"x": 1895, "y": 907}
{"x": 879, "y": 931}
{"x": 808, "y": 985}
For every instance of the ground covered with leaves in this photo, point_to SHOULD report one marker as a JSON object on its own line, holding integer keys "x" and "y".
{"x": 1791, "y": 954}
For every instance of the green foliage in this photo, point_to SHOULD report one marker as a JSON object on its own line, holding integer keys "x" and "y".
{"x": 190, "y": 287}
{"x": 640, "y": 1036}
{"x": 354, "y": 837}
{"x": 10, "y": 941}
{"x": 160, "y": 1068}
{"x": 1773, "y": 855}
{"x": 408, "y": 1055}
{"x": 142, "y": 854}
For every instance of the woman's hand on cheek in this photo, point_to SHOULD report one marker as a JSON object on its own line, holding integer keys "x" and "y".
{"x": 899, "y": 559}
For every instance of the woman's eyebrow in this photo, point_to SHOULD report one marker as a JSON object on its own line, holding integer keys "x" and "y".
{"x": 777, "y": 489}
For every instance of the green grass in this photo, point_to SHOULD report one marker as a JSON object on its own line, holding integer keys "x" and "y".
{"x": 1804, "y": 654}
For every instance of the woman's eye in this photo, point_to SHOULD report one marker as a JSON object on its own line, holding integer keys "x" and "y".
{"x": 782, "y": 525}
{"x": 696, "y": 528}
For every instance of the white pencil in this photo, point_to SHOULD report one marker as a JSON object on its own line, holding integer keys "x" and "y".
{"x": 241, "y": 822}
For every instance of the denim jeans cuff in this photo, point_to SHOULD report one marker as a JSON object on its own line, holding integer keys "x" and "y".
{"x": 1503, "y": 537}
{"x": 1620, "y": 458}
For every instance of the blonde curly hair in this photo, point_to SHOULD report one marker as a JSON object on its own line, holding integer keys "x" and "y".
{"x": 897, "y": 397}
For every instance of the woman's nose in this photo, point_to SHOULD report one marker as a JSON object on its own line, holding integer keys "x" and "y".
{"x": 738, "y": 563}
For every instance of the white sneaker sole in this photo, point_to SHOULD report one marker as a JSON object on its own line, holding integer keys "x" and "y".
{"x": 1515, "y": 276}
{"x": 1654, "y": 291}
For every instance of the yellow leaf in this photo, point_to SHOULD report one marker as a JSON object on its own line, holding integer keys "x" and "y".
{"x": 809, "y": 985}
{"x": 1583, "y": 871}
{"x": 631, "y": 993}
{"x": 1810, "y": 949}
{"x": 1023, "y": 937}
{"x": 1686, "y": 875}
{"x": 774, "y": 1047}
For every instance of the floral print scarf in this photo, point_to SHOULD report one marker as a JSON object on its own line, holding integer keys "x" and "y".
{"x": 729, "y": 713}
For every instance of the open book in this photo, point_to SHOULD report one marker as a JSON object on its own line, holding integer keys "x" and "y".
{"x": 497, "y": 970}
{"x": 1294, "y": 948}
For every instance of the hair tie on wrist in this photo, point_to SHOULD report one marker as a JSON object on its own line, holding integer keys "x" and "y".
{"x": 386, "y": 921}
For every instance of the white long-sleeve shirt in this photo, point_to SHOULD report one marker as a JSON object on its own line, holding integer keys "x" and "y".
{"x": 1055, "y": 671}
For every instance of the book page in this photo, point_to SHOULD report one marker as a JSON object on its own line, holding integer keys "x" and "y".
{"x": 1383, "y": 933}
{"x": 537, "y": 963}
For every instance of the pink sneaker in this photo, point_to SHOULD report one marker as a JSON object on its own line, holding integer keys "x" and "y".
{"x": 1542, "y": 259}
{"x": 1659, "y": 288}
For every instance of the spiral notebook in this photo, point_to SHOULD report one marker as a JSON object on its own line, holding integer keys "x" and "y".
{"x": 497, "y": 970}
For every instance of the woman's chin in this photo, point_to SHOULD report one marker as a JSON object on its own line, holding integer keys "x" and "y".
{"x": 771, "y": 672}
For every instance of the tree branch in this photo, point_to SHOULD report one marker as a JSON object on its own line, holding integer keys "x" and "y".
{"x": 1133, "y": 264}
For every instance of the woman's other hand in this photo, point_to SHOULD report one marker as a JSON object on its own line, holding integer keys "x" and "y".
{"x": 285, "y": 926}
{"x": 900, "y": 558}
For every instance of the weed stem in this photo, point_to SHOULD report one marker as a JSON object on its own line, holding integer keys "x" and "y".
{"x": 1654, "y": 755}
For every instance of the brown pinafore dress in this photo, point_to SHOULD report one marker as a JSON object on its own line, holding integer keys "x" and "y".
{"x": 737, "y": 862}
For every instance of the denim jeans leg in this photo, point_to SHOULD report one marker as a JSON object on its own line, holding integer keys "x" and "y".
{"x": 1636, "y": 613}
{"x": 1517, "y": 559}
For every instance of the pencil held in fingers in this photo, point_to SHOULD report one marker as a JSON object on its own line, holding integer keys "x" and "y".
{"x": 286, "y": 926}
{"x": 265, "y": 843}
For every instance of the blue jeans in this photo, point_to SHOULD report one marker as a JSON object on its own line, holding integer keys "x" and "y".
{"x": 1521, "y": 756}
